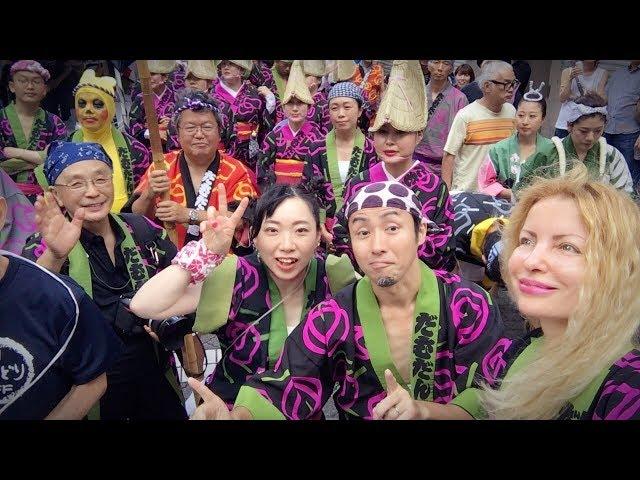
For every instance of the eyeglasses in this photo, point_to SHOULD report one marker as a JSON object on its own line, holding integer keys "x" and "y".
{"x": 206, "y": 129}
{"x": 507, "y": 85}
{"x": 83, "y": 185}
{"x": 36, "y": 82}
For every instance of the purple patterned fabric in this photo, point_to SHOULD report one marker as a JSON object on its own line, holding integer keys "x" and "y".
{"x": 306, "y": 146}
{"x": 261, "y": 76}
{"x": 319, "y": 113}
{"x": 391, "y": 194}
{"x": 47, "y": 127}
{"x": 164, "y": 105}
{"x": 248, "y": 107}
{"x": 245, "y": 346}
{"x": 617, "y": 399}
{"x": 30, "y": 66}
{"x": 329, "y": 349}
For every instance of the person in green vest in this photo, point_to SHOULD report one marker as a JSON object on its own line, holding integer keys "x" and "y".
{"x": 347, "y": 150}
{"x": 25, "y": 128}
{"x": 402, "y": 327}
{"x": 572, "y": 265}
{"x": 586, "y": 117}
{"x": 502, "y": 168}
{"x": 251, "y": 303}
{"x": 110, "y": 256}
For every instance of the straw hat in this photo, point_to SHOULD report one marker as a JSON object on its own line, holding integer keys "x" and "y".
{"x": 317, "y": 68}
{"x": 161, "y": 66}
{"x": 346, "y": 70}
{"x": 404, "y": 102}
{"x": 203, "y": 69}
{"x": 297, "y": 86}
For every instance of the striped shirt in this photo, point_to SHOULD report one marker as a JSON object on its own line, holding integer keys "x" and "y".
{"x": 474, "y": 130}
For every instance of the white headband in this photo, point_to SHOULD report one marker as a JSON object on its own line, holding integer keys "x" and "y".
{"x": 533, "y": 95}
{"x": 577, "y": 110}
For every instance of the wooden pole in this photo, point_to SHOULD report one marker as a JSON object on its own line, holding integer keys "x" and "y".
{"x": 154, "y": 134}
{"x": 190, "y": 355}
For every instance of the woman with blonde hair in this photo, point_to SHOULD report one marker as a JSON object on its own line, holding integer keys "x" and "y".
{"x": 575, "y": 279}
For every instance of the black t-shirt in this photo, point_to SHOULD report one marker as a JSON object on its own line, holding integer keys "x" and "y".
{"x": 109, "y": 282}
{"x": 37, "y": 321}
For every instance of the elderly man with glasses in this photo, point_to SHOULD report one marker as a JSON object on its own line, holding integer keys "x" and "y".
{"x": 110, "y": 256}
{"x": 193, "y": 173}
{"x": 479, "y": 125}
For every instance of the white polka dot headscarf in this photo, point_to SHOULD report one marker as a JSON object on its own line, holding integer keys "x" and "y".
{"x": 386, "y": 194}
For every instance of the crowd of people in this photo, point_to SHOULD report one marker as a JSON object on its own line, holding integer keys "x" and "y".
{"x": 343, "y": 231}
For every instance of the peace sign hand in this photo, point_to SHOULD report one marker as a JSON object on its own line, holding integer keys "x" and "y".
{"x": 217, "y": 231}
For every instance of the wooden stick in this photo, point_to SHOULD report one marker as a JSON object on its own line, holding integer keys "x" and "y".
{"x": 192, "y": 358}
{"x": 154, "y": 134}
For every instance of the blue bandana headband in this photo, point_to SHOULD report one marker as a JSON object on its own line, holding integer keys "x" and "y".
{"x": 64, "y": 154}
{"x": 346, "y": 89}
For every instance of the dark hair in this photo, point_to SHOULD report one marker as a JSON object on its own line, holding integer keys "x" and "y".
{"x": 271, "y": 199}
{"x": 466, "y": 69}
{"x": 542, "y": 102}
{"x": 187, "y": 95}
{"x": 593, "y": 100}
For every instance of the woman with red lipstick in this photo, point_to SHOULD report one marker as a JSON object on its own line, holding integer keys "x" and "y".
{"x": 576, "y": 280}
{"x": 398, "y": 129}
{"x": 252, "y": 303}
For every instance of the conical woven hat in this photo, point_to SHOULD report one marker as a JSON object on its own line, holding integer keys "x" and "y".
{"x": 404, "y": 102}
{"x": 246, "y": 64}
{"x": 297, "y": 86}
{"x": 161, "y": 66}
{"x": 203, "y": 69}
{"x": 346, "y": 70}
{"x": 317, "y": 68}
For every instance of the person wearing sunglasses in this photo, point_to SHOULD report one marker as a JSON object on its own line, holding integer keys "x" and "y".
{"x": 479, "y": 125}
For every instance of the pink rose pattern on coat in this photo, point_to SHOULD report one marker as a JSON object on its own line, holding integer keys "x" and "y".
{"x": 245, "y": 346}
{"x": 328, "y": 350}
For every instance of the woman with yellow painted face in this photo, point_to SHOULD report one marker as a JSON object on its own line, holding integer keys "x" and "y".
{"x": 95, "y": 109}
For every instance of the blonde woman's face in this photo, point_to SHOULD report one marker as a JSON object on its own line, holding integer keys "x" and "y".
{"x": 548, "y": 266}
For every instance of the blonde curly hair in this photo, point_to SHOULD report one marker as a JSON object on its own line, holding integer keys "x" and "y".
{"x": 604, "y": 324}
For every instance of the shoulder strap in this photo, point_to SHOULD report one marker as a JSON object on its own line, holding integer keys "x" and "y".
{"x": 143, "y": 232}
